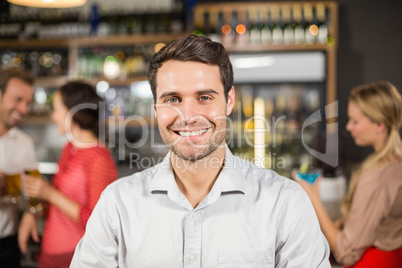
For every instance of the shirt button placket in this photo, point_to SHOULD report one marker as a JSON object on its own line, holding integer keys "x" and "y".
{"x": 192, "y": 240}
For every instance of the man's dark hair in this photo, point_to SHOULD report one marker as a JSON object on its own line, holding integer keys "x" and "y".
{"x": 193, "y": 48}
{"x": 7, "y": 74}
{"x": 75, "y": 93}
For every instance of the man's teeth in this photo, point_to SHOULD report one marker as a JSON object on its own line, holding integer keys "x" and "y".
{"x": 192, "y": 133}
{"x": 16, "y": 115}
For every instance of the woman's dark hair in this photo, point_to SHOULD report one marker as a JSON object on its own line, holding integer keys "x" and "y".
{"x": 75, "y": 93}
{"x": 193, "y": 48}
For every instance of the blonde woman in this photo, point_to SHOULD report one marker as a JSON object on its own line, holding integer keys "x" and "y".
{"x": 370, "y": 233}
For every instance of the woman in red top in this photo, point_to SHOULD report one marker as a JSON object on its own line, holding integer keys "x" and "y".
{"x": 86, "y": 167}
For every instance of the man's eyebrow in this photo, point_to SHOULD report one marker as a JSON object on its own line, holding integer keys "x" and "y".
{"x": 199, "y": 92}
{"x": 168, "y": 93}
{"x": 207, "y": 91}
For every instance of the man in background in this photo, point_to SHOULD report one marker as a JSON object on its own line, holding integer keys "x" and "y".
{"x": 16, "y": 154}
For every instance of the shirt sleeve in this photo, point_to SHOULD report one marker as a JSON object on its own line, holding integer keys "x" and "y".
{"x": 99, "y": 246}
{"x": 300, "y": 242}
{"x": 368, "y": 207}
{"x": 101, "y": 173}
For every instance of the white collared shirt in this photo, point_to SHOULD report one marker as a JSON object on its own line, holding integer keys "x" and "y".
{"x": 252, "y": 217}
{"x": 16, "y": 154}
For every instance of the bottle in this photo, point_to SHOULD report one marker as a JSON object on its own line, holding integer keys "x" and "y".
{"x": 242, "y": 35}
{"x": 199, "y": 21}
{"x": 227, "y": 30}
{"x": 265, "y": 26}
{"x": 322, "y": 23}
{"x": 277, "y": 25}
{"x": 311, "y": 30}
{"x": 299, "y": 27}
{"x": 253, "y": 27}
{"x": 214, "y": 23}
{"x": 289, "y": 25}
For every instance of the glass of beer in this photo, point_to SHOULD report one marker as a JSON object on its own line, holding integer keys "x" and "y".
{"x": 13, "y": 188}
{"x": 34, "y": 204}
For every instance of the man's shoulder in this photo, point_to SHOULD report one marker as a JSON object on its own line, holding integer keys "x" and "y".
{"x": 264, "y": 176}
{"x": 21, "y": 135}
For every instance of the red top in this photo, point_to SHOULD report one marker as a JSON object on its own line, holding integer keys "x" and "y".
{"x": 83, "y": 175}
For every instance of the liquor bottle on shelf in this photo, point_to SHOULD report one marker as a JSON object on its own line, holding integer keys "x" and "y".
{"x": 277, "y": 25}
{"x": 265, "y": 25}
{"x": 289, "y": 25}
{"x": 299, "y": 27}
{"x": 199, "y": 20}
{"x": 150, "y": 25}
{"x": 293, "y": 120}
{"x": 254, "y": 27}
{"x": 130, "y": 24}
{"x": 214, "y": 24}
{"x": 322, "y": 23}
{"x": 228, "y": 28}
{"x": 242, "y": 35}
{"x": 311, "y": 30}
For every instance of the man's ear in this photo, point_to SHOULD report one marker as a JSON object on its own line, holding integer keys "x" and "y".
{"x": 230, "y": 101}
{"x": 154, "y": 107}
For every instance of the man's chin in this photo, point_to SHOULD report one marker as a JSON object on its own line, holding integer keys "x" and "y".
{"x": 12, "y": 123}
{"x": 193, "y": 154}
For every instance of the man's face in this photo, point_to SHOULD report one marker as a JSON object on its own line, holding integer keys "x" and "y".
{"x": 14, "y": 102}
{"x": 191, "y": 108}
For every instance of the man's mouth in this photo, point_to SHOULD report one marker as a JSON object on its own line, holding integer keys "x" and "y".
{"x": 16, "y": 115}
{"x": 191, "y": 133}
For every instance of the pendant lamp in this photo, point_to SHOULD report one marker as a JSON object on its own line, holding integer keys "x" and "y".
{"x": 49, "y": 3}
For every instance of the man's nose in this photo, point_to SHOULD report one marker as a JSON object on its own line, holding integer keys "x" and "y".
{"x": 348, "y": 126}
{"x": 189, "y": 110}
{"x": 24, "y": 107}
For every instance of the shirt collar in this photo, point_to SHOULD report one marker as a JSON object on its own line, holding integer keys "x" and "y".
{"x": 230, "y": 179}
{"x": 12, "y": 133}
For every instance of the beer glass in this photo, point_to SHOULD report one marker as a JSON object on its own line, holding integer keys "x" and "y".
{"x": 34, "y": 204}
{"x": 13, "y": 188}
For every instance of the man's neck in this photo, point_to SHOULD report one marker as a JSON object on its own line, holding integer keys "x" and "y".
{"x": 195, "y": 179}
{"x": 4, "y": 130}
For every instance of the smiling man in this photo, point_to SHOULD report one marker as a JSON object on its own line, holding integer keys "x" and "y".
{"x": 16, "y": 154}
{"x": 201, "y": 206}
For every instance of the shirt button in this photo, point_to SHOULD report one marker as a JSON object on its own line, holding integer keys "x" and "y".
{"x": 191, "y": 258}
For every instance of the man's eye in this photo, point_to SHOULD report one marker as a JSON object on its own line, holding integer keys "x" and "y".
{"x": 205, "y": 98}
{"x": 172, "y": 100}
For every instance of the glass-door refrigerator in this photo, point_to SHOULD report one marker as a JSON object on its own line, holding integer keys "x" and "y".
{"x": 280, "y": 100}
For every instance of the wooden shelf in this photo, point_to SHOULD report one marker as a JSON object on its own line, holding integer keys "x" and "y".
{"x": 57, "y": 81}
{"x": 264, "y": 48}
{"x": 36, "y": 120}
{"x": 43, "y": 120}
{"x": 132, "y": 123}
{"x": 117, "y": 81}
{"x": 51, "y": 81}
{"x": 118, "y": 40}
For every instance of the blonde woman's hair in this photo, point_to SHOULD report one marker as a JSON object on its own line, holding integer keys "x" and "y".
{"x": 382, "y": 104}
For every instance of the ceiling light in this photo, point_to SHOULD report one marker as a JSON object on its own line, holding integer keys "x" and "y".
{"x": 49, "y": 3}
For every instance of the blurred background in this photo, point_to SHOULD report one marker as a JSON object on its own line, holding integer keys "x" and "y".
{"x": 291, "y": 59}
